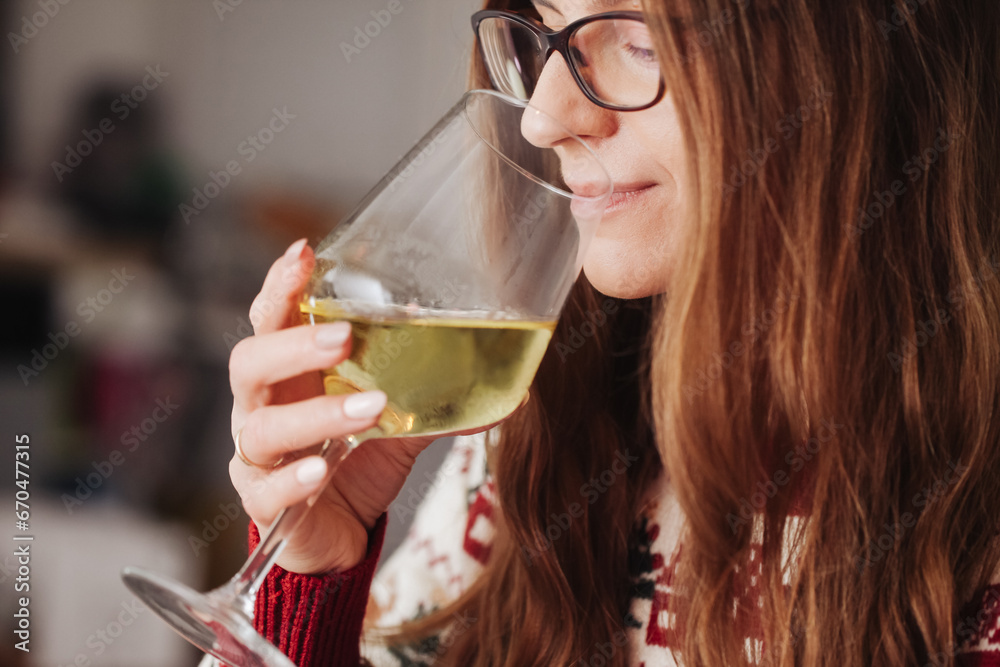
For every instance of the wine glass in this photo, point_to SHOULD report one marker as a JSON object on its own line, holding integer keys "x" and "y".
{"x": 452, "y": 272}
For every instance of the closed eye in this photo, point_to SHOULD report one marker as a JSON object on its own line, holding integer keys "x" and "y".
{"x": 639, "y": 53}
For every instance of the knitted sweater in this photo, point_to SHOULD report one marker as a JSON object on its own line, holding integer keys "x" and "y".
{"x": 317, "y": 620}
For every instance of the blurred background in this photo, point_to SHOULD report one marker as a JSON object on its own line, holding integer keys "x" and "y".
{"x": 155, "y": 158}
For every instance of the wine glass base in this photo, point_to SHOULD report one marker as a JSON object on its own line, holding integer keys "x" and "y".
{"x": 212, "y": 626}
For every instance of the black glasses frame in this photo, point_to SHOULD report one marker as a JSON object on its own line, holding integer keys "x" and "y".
{"x": 558, "y": 41}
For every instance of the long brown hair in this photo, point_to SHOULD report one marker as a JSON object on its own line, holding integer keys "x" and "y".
{"x": 830, "y": 344}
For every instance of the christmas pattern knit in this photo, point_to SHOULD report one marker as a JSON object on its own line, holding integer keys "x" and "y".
{"x": 449, "y": 543}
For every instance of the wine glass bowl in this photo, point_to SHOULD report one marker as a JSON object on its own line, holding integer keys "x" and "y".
{"x": 455, "y": 272}
{"x": 474, "y": 369}
{"x": 452, "y": 272}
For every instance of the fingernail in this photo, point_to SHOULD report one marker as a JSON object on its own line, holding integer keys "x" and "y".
{"x": 330, "y": 336}
{"x": 310, "y": 471}
{"x": 295, "y": 250}
{"x": 365, "y": 405}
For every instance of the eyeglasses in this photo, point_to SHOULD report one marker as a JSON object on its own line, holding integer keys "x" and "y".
{"x": 610, "y": 56}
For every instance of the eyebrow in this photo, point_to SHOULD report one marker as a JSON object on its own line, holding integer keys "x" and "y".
{"x": 593, "y": 5}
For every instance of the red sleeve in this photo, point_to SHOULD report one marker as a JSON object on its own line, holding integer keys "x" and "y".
{"x": 316, "y": 619}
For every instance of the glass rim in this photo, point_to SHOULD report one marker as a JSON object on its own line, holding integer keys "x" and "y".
{"x": 526, "y": 105}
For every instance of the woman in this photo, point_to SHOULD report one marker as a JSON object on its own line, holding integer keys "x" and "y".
{"x": 779, "y": 444}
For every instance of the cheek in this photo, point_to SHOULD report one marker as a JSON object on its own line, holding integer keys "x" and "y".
{"x": 636, "y": 254}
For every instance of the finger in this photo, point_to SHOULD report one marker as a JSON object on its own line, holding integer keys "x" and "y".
{"x": 274, "y": 431}
{"x": 278, "y": 299}
{"x": 265, "y": 495}
{"x": 257, "y": 362}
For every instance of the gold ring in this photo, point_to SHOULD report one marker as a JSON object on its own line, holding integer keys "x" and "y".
{"x": 243, "y": 457}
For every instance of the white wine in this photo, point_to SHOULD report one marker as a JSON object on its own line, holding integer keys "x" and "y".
{"x": 441, "y": 370}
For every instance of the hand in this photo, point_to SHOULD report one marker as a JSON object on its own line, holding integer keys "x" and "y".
{"x": 280, "y": 405}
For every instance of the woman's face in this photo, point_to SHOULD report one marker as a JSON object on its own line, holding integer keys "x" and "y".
{"x": 637, "y": 243}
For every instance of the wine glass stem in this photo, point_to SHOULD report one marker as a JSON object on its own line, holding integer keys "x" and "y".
{"x": 250, "y": 577}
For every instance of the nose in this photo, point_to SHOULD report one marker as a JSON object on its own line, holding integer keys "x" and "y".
{"x": 557, "y": 95}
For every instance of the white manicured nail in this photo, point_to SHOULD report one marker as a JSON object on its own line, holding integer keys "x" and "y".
{"x": 310, "y": 471}
{"x": 295, "y": 250}
{"x": 365, "y": 405}
{"x": 331, "y": 336}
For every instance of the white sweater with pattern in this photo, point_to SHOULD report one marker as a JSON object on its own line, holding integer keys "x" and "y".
{"x": 449, "y": 541}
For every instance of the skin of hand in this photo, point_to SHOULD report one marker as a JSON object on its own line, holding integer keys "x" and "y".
{"x": 280, "y": 405}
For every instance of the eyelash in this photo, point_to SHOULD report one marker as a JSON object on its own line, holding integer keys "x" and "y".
{"x": 645, "y": 54}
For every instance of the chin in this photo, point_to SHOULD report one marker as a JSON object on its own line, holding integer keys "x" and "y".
{"x": 620, "y": 284}
{"x": 632, "y": 257}
{"x": 624, "y": 272}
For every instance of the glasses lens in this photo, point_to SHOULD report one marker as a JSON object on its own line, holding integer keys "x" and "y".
{"x": 512, "y": 55}
{"x": 616, "y": 61}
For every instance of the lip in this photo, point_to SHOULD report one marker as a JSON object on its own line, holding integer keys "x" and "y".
{"x": 627, "y": 195}
{"x": 586, "y": 189}
{"x": 623, "y": 196}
